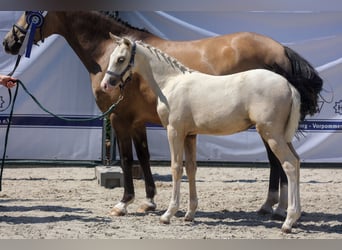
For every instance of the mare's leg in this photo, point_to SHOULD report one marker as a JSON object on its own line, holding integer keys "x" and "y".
{"x": 280, "y": 212}
{"x": 176, "y": 142}
{"x": 273, "y": 197}
{"x": 291, "y": 164}
{"x": 273, "y": 188}
{"x": 191, "y": 168}
{"x": 141, "y": 148}
{"x": 126, "y": 156}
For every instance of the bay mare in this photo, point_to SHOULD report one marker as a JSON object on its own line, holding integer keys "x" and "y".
{"x": 191, "y": 103}
{"x": 87, "y": 34}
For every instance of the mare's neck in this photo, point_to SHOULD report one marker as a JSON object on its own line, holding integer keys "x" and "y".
{"x": 88, "y": 35}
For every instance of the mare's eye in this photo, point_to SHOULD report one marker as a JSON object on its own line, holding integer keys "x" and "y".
{"x": 121, "y": 59}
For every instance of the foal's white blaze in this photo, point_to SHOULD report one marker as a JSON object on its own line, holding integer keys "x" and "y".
{"x": 191, "y": 103}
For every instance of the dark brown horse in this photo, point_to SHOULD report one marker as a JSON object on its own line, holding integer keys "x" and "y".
{"x": 88, "y": 34}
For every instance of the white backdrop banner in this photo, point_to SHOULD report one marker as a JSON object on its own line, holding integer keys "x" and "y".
{"x": 57, "y": 78}
{"x": 316, "y": 35}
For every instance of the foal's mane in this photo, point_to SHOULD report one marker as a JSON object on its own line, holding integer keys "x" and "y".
{"x": 167, "y": 58}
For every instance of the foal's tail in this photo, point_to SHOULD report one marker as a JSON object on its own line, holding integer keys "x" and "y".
{"x": 304, "y": 78}
{"x": 294, "y": 116}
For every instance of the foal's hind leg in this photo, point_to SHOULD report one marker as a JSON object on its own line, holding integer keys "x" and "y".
{"x": 191, "y": 168}
{"x": 290, "y": 162}
{"x": 141, "y": 148}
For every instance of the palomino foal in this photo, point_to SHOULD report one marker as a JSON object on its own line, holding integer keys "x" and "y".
{"x": 191, "y": 103}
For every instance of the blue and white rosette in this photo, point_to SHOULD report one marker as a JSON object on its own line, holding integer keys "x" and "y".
{"x": 34, "y": 19}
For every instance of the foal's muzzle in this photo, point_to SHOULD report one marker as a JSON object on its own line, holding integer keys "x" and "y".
{"x": 110, "y": 83}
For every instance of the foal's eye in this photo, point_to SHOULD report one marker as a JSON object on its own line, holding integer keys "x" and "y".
{"x": 121, "y": 60}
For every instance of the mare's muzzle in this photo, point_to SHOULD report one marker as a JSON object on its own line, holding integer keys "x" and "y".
{"x": 13, "y": 42}
{"x": 113, "y": 80}
{"x": 122, "y": 78}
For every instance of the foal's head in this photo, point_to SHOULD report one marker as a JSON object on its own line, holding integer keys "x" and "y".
{"x": 120, "y": 63}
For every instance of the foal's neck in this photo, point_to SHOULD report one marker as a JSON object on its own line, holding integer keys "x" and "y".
{"x": 156, "y": 66}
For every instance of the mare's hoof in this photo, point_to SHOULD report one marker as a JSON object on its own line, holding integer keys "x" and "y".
{"x": 117, "y": 212}
{"x": 278, "y": 217}
{"x": 188, "y": 219}
{"x": 264, "y": 211}
{"x": 146, "y": 208}
{"x": 189, "y": 216}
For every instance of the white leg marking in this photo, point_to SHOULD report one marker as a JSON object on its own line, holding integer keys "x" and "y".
{"x": 271, "y": 200}
{"x": 120, "y": 209}
{"x": 148, "y": 205}
{"x": 280, "y": 211}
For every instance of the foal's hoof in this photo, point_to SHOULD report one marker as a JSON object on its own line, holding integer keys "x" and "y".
{"x": 164, "y": 219}
{"x": 166, "y": 222}
{"x": 285, "y": 229}
{"x": 117, "y": 212}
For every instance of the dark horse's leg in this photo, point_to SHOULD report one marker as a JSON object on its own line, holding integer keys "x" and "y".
{"x": 126, "y": 156}
{"x": 124, "y": 138}
{"x": 141, "y": 148}
{"x": 277, "y": 177}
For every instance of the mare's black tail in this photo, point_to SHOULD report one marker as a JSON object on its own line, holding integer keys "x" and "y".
{"x": 304, "y": 78}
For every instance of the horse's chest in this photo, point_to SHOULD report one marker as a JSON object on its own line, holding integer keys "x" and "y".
{"x": 163, "y": 112}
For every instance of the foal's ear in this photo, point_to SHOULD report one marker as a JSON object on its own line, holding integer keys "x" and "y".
{"x": 126, "y": 41}
{"x": 115, "y": 38}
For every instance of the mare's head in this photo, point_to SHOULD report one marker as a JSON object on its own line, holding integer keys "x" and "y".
{"x": 15, "y": 37}
{"x": 120, "y": 64}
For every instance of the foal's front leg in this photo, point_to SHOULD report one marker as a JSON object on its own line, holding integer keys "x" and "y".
{"x": 191, "y": 168}
{"x": 176, "y": 142}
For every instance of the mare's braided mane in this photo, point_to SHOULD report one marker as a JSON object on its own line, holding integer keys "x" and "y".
{"x": 115, "y": 16}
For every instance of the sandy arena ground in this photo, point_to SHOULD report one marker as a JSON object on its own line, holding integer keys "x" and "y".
{"x": 68, "y": 203}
